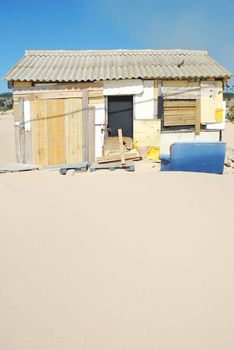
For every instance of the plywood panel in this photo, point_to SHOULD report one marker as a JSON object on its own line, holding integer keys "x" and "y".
{"x": 39, "y": 132}
{"x": 147, "y": 133}
{"x": 55, "y": 124}
{"x": 73, "y": 130}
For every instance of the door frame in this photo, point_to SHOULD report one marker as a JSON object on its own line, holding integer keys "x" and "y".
{"x": 107, "y": 112}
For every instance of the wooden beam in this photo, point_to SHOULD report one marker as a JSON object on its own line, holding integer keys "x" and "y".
{"x": 17, "y": 144}
{"x": 22, "y": 84}
{"x": 198, "y": 117}
{"x": 28, "y": 147}
{"x": 85, "y": 123}
{"x": 21, "y": 130}
{"x": 121, "y": 146}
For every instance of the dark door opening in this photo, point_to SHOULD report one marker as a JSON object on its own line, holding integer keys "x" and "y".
{"x": 120, "y": 115}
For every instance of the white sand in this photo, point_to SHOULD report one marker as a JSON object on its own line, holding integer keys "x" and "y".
{"x": 129, "y": 261}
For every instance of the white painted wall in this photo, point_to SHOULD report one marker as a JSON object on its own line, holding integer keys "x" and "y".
{"x": 122, "y": 87}
{"x": 211, "y": 99}
{"x": 100, "y": 121}
{"x": 143, "y": 104}
{"x": 167, "y": 139}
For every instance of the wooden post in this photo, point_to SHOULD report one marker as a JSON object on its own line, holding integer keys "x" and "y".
{"x": 121, "y": 146}
{"x": 85, "y": 117}
{"x": 21, "y": 129}
{"x": 91, "y": 132}
{"x": 17, "y": 143}
{"x": 28, "y": 147}
{"x": 198, "y": 117}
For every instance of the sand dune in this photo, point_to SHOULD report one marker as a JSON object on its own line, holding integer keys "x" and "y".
{"x": 129, "y": 261}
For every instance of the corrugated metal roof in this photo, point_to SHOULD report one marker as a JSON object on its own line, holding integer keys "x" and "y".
{"x": 95, "y": 65}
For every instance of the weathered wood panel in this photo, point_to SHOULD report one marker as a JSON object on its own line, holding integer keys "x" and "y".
{"x": 179, "y": 113}
{"x": 55, "y": 125}
{"x": 73, "y": 130}
{"x": 180, "y": 89}
{"x": 198, "y": 117}
{"x": 17, "y": 84}
{"x": 39, "y": 132}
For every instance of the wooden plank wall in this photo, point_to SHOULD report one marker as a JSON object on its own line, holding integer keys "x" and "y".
{"x": 179, "y": 112}
{"x": 39, "y": 132}
{"x": 56, "y": 131}
{"x": 58, "y": 134}
{"x": 55, "y": 127}
{"x": 73, "y": 129}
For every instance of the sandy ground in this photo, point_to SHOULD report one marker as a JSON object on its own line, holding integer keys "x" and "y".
{"x": 126, "y": 261}
{"x": 129, "y": 261}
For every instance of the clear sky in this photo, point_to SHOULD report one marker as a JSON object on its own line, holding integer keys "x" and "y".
{"x": 108, "y": 24}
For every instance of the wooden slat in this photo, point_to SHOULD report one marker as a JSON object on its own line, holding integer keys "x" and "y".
{"x": 130, "y": 155}
{"x": 17, "y": 144}
{"x": 179, "y": 122}
{"x": 46, "y": 95}
{"x": 198, "y": 117}
{"x": 73, "y": 130}
{"x": 179, "y": 113}
{"x": 180, "y": 117}
{"x": 39, "y": 133}
{"x": 22, "y": 84}
{"x": 55, "y": 115}
{"x": 179, "y": 103}
{"x": 121, "y": 146}
{"x": 28, "y": 147}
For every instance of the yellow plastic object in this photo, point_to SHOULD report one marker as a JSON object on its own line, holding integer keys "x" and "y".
{"x": 219, "y": 115}
{"x": 153, "y": 153}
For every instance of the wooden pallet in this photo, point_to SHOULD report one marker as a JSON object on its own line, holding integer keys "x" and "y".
{"x": 128, "y": 166}
{"x": 76, "y": 167}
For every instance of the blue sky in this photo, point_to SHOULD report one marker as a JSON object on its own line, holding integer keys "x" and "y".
{"x": 107, "y": 24}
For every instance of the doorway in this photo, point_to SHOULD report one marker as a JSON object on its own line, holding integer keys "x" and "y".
{"x": 120, "y": 115}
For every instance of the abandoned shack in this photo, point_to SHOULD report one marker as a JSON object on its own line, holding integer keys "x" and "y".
{"x": 68, "y": 103}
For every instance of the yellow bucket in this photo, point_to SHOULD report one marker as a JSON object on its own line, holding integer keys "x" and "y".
{"x": 153, "y": 153}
